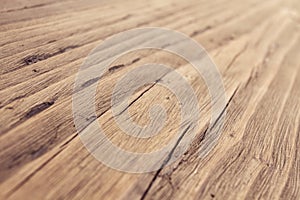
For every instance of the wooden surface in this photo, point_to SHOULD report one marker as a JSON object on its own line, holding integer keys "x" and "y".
{"x": 255, "y": 45}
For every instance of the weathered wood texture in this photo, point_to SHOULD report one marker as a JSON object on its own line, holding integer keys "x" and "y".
{"x": 256, "y": 47}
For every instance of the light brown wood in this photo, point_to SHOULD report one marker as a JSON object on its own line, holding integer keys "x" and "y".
{"x": 256, "y": 47}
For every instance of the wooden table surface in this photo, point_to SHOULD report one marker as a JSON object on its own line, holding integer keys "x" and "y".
{"x": 255, "y": 46}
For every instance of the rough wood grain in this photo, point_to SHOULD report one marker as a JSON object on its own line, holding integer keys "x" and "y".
{"x": 256, "y": 46}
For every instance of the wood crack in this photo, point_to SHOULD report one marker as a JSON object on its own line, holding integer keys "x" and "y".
{"x": 164, "y": 164}
{"x": 237, "y": 56}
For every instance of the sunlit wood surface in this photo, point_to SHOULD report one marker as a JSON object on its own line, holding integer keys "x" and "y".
{"x": 256, "y": 47}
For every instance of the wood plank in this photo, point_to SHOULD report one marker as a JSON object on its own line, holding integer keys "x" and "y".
{"x": 255, "y": 46}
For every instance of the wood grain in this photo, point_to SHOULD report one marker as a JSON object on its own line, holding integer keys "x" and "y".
{"x": 256, "y": 46}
